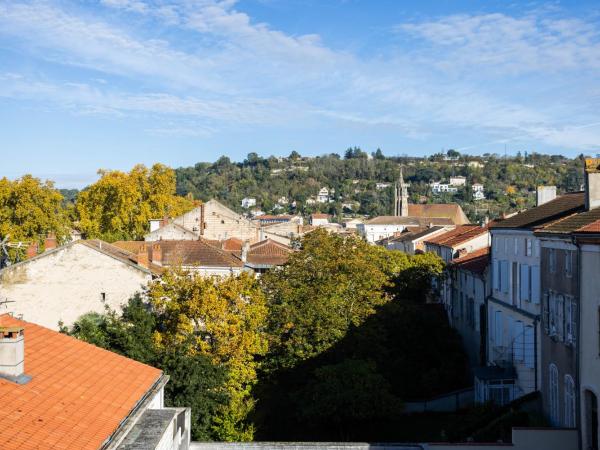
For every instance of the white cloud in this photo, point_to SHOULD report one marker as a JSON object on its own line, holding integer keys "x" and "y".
{"x": 509, "y": 44}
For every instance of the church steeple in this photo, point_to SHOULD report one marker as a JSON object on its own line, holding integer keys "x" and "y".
{"x": 401, "y": 197}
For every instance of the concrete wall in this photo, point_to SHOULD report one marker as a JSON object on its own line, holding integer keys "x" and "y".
{"x": 67, "y": 283}
{"x": 523, "y": 439}
{"x": 450, "y": 402}
{"x": 589, "y": 343}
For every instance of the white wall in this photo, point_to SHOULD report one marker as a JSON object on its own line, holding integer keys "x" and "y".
{"x": 372, "y": 233}
{"x": 67, "y": 283}
{"x": 171, "y": 232}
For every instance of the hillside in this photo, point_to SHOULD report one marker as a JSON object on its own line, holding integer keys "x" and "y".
{"x": 363, "y": 184}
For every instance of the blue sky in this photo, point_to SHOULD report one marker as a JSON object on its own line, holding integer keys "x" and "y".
{"x": 95, "y": 84}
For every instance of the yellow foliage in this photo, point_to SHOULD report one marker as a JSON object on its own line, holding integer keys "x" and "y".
{"x": 119, "y": 205}
{"x": 223, "y": 319}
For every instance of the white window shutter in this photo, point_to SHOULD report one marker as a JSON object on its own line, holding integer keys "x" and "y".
{"x": 524, "y": 282}
{"x": 535, "y": 284}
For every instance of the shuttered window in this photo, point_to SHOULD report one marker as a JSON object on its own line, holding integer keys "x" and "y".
{"x": 535, "y": 284}
{"x": 496, "y": 274}
{"x": 524, "y": 285}
{"x": 498, "y": 337}
{"x": 504, "y": 276}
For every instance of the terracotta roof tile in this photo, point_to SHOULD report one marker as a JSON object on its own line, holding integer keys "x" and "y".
{"x": 442, "y": 238}
{"x": 409, "y": 221}
{"x": 78, "y": 394}
{"x": 548, "y": 212}
{"x": 593, "y": 227}
{"x": 187, "y": 253}
{"x": 476, "y": 261}
{"x": 572, "y": 223}
{"x": 451, "y": 211}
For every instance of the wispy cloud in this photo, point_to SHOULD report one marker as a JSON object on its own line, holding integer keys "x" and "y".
{"x": 206, "y": 67}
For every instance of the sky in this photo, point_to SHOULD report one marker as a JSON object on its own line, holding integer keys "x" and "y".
{"x": 93, "y": 84}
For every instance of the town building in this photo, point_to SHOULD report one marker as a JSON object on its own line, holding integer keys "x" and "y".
{"x": 437, "y": 187}
{"x": 318, "y": 219}
{"x": 478, "y": 191}
{"x": 413, "y": 242}
{"x": 63, "y": 283}
{"x": 199, "y": 256}
{"x": 60, "y": 392}
{"x": 514, "y": 306}
{"x": 458, "y": 181}
{"x": 325, "y": 195}
{"x": 248, "y": 202}
{"x": 469, "y": 275}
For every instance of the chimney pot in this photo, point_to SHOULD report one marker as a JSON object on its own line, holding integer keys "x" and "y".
{"x": 50, "y": 242}
{"x": 32, "y": 250}
{"x": 157, "y": 254}
{"x": 12, "y": 353}
{"x": 142, "y": 256}
{"x": 592, "y": 183}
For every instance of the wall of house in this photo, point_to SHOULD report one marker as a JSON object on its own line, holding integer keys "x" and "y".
{"x": 372, "y": 233}
{"x": 171, "y": 232}
{"x": 556, "y": 349}
{"x": 215, "y": 221}
{"x": 589, "y": 342}
{"x": 468, "y": 300}
{"x": 478, "y": 242}
{"x": 66, "y": 283}
{"x": 214, "y": 271}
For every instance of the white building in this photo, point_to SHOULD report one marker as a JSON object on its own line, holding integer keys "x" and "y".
{"x": 319, "y": 219}
{"x": 380, "y": 186}
{"x": 62, "y": 284}
{"x": 438, "y": 187}
{"x": 458, "y": 181}
{"x": 514, "y": 307}
{"x": 478, "y": 191}
{"x": 248, "y": 202}
{"x": 324, "y": 195}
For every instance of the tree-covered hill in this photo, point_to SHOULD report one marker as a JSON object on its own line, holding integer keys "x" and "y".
{"x": 359, "y": 181}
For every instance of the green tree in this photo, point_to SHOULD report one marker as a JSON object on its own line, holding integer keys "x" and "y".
{"x": 333, "y": 283}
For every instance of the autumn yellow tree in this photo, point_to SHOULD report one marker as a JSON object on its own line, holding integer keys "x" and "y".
{"x": 30, "y": 209}
{"x": 119, "y": 205}
{"x": 223, "y": 319}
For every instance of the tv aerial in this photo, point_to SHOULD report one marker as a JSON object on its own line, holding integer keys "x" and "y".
{"x": 5, "y": 246}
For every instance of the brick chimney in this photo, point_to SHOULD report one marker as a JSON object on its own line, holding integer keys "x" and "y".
{"x": 545, "y": 194}
{"x": 12, "y": 354}
{"x": 592, "y": 183}
{"x": 157, "y": 254}
{"x": 142, "y": 256}
{"x": 50, "y": 242}
{"x": 32, "y": 250}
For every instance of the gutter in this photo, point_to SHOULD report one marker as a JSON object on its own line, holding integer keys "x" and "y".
{"x": 113, "y": 441}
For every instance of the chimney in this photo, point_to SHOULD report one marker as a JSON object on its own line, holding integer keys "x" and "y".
{"x": 156, "y": 254}
{"x": 142, "y": 256}
{"x": 245, "y": 250}
{"x": 32, "y": 250}
{"x": 50, "y": 242}
{"x": 592, "y": 183}
{"x": 545, "y": 194}
{"x": 12, "y": 354}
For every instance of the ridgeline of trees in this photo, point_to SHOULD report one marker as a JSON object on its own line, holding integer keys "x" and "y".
{"x": 328, "y": 347}
{"x": 119, "y": 204}
{"x": 509, "y": 182}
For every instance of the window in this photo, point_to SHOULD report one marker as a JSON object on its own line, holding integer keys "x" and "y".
{"x": 553, "y": 395}
{"x": 516, "y": 243}
{"x": 570, "y": 321}
{"x": 506, "y": 246}
{"x": 525, "y": 284}
{"x": 504, "y": 276}
{"x": 551, "y": 260}
{"x": 496, "y": 275}
{"x": 103, "y": 296}
{"x": 528, "y": 247}
{"x": 569, "y": 421}
{"x": 535, "y": 284}
{"x": 568, "y": 263}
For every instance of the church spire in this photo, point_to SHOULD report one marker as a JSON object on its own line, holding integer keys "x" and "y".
{"x": 401, "y": 197}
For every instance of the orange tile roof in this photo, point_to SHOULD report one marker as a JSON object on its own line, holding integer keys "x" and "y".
{"x": 78, "y": 394}
{"x": 476, "y": 261}
{"x": 440, "y": 239}
{"x": 593, "y": 227}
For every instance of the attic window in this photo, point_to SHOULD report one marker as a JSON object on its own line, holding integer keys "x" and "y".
{"x": 103, "y": 296}
{"x": 222, "y": 221}
{"x": 214, "y": 213}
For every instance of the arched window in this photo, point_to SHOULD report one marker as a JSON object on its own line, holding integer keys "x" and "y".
{"x": 553, "y": 395}
{"x": 569, "y": 402}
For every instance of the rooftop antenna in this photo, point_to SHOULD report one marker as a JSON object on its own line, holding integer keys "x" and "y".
{"x": 5, "y": 245}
